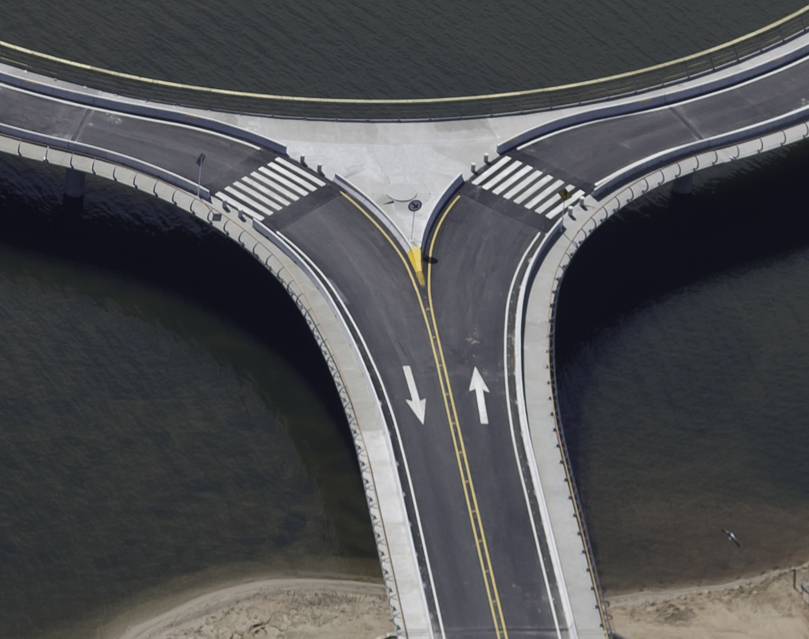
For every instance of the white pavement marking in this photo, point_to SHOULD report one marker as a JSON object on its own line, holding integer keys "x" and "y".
{"x": 274, "y": 187}
{"x": 533, "y": 189}
{"x": 504, "y": 185}
{"x": 491, "y": 170}
{"x": 556, "y": 210}
{"x": 502, "y": 175}
{"x": 299, "y": 170}
{"x": 527, "y": 181}
{"x": 270, "y": 188}
{"x": 239, "y": 206}
{"x": 246, "y": 187}
{"x": 273, "y": 179}
{"x": 296, "y": 179}
{"x": 280, "y": 202}
{"x": 239, "y": 196}
{"x": 545, "y": 194}
{"x": 272, "y": 170}
{"x": 418, "y": 406}
{"x": 479, "y": 387}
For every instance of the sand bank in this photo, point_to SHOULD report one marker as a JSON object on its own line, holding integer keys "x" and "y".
{"x": 763, "y": 607}
{"x": 276, "y": 609}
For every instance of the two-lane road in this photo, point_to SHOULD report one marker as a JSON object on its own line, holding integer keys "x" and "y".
{"x": 482, "y": 552}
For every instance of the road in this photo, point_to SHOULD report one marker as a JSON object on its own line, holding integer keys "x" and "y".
{"x": 479, "y": 544}
{"x": 440, "y": 354}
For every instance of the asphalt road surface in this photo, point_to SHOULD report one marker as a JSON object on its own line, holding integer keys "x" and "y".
{"x": 449, "y": 343}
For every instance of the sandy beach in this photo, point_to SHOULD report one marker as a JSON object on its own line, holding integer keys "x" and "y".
{"x": 762, "y": 607}
{"x": 276, "y": 609}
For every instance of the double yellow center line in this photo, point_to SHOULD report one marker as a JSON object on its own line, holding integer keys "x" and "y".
{"x": 454, "y": 424}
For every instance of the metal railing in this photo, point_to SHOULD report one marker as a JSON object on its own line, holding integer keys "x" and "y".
{"x": 616, "y": 86}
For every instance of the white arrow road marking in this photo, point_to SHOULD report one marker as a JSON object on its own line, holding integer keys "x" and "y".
{"x": 479, "y": 386}
{"x": 417, "y": 405}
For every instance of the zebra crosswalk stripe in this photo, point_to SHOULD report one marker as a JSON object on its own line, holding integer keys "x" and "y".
{"x": 296, "y": 179}
{"x": 272, "y": 180}
{"x": 316, "y": 180}
{"x": 256, "y": 195}
{"x": 501, "y": 175}
{"x": 244, "y": 198}
{"x": 494, "y": 168}
{"x": 276, "y": 175}
{"x": 270, "y": 188}
{"x": 239, "y": 205}
{"x": 507, "y": 183}
{"x": 532, "y": 177}
{"x": 545, "y": 194}
{"x": 273, "y": 195}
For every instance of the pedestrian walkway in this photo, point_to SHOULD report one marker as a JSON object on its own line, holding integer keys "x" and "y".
{"x": 270, "y": 188}
{"x": 527, "y": 186}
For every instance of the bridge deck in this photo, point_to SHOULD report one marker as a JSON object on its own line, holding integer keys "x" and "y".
{"x": 485, "y": 562}
{"x": 586, "y": 154}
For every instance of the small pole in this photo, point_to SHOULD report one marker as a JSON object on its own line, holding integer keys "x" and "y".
{"x": 200, "y": 160}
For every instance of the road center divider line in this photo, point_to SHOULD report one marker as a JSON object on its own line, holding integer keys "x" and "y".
{"x": 460, "y": 453}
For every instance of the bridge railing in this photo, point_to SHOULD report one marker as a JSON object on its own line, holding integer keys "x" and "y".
{"x": 549, "y": 98}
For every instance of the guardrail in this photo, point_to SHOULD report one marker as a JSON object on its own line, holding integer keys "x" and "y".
{"x": 612, "y": 87}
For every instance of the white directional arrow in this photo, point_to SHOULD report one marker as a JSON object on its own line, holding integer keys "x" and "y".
{"x": 479, "y": 386}
{"x": 417, "y": 405}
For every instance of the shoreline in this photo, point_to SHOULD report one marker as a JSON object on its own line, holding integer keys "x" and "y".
{"x": 764, "y": 606}
{"x": 279, "y": 608}
{"x": 653, "y": 595}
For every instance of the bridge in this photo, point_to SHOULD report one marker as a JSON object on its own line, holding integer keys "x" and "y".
{"x": 425, "y": 242}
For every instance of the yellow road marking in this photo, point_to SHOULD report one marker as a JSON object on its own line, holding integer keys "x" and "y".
{"x": 416, "y": 262}
{"x": 463, "y": 463}
{"x": 466, "y": 98}
{"x": 455, "y": 429}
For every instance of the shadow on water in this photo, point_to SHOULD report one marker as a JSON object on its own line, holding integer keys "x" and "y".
{"x": 682, "y": 361}
{"x": 166, "y": 411}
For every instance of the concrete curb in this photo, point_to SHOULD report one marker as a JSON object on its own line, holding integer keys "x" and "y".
{"x": 51, "y": 142}
{"x": 320, "y": 309}
{"x": 753, "y": 66}
{"x": 544, "y": 421}
{"x": 380, "y": 215}
{"x": 36, "y": 83}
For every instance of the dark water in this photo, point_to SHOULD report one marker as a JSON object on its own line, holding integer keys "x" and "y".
{"x": 166, "y": 421}
{"x": 366, "y": 48}
{"x": 165, "y": 418}
{"x": 683, "y": 368}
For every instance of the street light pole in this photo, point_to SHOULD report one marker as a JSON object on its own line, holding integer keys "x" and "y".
{"x": 200, "y": 160}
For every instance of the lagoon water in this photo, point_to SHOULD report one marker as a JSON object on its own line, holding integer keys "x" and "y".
{"x": 166, "y": 422}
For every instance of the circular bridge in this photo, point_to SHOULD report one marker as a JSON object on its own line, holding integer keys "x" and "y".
{"x": 473, "y": 106}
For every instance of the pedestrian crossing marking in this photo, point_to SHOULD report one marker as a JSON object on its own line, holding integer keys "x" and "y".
{"x": 527, "y": 186}
{"x": 270, "y": 188}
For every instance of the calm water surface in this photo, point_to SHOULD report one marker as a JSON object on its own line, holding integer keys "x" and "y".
{"x": 166, "y": 421}
{"x": 683, "y": 365}
{"x": 365, "y": 48}
{"x": 154, "y": 436}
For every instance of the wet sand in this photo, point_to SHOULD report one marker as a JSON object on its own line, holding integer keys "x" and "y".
{"x": 276, "y": 609}
{"x": 762, "y": 607}
{"x": 767, "y": 606}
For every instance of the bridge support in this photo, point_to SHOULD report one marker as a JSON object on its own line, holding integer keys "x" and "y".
{"x": 682, "y": 185}
{"x": 74, "y": 183}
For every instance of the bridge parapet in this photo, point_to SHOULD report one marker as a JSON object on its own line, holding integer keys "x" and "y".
{"x": 451, "y": 108}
